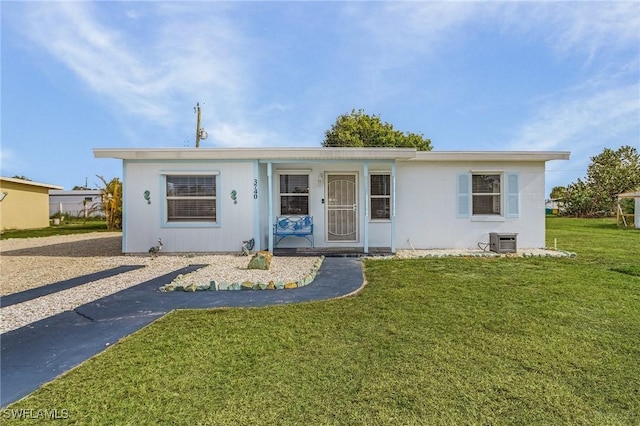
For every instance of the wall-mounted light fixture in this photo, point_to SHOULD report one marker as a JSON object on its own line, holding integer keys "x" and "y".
{"x": 320, "y": 179}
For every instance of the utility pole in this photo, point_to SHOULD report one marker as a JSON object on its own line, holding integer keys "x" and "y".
{"x": 197, "y": 108}
{"x": 201, "y": 134}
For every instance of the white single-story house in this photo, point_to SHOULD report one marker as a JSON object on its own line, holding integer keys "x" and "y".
{"x": 76, "y": 203}
{"x": 212, "y": 199}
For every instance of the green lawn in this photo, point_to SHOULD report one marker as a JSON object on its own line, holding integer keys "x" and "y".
{"x": 73, "y": 226}
{"x": 436, "y": 341}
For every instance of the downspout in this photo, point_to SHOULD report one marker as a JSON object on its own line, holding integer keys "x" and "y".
{"x": 270, "y": 203}
{"x": 393, "y": 207}
{"x": 366, "y": 206}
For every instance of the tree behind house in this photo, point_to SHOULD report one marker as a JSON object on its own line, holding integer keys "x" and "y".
{"x": 358, "y": 129}
{"x": 609, "y": 174}
{"x": 112, "y": 202}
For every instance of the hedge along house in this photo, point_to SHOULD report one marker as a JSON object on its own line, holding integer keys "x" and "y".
{"x": 207, "y": 200}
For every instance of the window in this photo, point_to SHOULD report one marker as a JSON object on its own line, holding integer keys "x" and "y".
{"x": 191, "y": 198}
{"x": 380, "y": 196}
{"x": 294, "y": 194}
{"x": 486, "y": 194}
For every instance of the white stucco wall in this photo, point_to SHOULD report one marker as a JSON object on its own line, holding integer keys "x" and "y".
{"x": 144, "y": 223}
{"x": 426, "y": 206}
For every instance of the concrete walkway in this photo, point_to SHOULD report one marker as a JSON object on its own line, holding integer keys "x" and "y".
{"x": 38, "y": 353}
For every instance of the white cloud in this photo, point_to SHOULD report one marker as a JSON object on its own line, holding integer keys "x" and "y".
{"x": 10, "y": 164}
{"x": 589, "y": 27}
{"x": 403, "y": 29}
{"x": 144, "y": 72}
{"x": 228, "y": 135}
{"x": 583, "y": 122}
{"x": 562, "y": 122}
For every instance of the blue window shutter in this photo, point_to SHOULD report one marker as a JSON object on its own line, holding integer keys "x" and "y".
{"x": 513, "y": 196}
{"x": 463, "y": 194}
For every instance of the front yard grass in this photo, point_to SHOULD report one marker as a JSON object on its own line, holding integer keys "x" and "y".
{"x": 429, "y": 341}
{"x": 70, "y": 226}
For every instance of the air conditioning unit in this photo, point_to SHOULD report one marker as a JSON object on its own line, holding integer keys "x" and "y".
{"x": 503, "y": 243}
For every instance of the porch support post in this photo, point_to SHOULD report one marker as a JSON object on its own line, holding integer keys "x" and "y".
{"x": 366, "y": 206}
{"x": 393, "y": 207}
{"x": 256, "y": 207}
{"x": 270, "y": 204}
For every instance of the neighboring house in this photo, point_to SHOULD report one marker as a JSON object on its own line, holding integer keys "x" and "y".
{"x": 78, "y": 203}
{"x": 553, "y": 205}
{"x": 212, "y": 199}
{"x": 25, "y": 204}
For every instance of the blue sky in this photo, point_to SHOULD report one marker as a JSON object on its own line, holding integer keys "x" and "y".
{"x": 467, "y": 75}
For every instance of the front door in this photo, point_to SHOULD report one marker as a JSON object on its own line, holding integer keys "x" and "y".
{"x": 342, "y": 207}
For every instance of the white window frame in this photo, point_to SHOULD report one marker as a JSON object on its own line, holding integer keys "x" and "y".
{"x": 205, "y": 222}
{"x": 372, "y": 197}
{"x": 294, "y": 194}
{"x": 488, "y": 194}
{"x": 509, "y": 196}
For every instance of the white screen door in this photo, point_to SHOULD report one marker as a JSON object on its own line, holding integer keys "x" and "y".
{"x": 342, "y": 208}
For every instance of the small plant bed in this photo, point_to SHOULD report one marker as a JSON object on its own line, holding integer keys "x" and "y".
{"x": 212, "y": 279}
{"x": 417, "y": 254}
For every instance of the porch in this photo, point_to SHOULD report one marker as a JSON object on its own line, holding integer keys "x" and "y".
{"x": 333, "y": 251}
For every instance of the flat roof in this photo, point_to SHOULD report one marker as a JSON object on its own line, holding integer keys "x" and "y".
{"x": 283, "y": 153}
{"x": 491, "y": 155}
{"x": 29, "y": 182}
{"x": 79, "y": 192}
{"x": 305, "y": 153}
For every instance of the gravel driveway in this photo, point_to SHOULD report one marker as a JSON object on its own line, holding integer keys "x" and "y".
{"x": 26, "y": 263}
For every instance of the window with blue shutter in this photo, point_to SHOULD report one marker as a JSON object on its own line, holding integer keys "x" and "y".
{"x": 464, "y": 194}
{"x": 513, "y": 196}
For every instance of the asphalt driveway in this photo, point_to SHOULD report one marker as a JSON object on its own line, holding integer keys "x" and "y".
{"x": 39, "y": 352}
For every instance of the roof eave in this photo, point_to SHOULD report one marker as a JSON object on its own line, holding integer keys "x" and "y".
{"x": 31, "y": 183}
{"x": 305, "y": 153}
{"x": 491, "y": 155}
{"x": 255, "y": 153}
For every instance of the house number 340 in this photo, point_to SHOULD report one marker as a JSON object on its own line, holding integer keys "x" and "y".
{"x": 255, "y": 189}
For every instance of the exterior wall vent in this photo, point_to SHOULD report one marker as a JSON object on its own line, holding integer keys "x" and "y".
{"x": 503, "y": 243}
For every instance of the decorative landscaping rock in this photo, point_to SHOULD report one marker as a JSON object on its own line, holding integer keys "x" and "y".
{"x": 261, "y": 260}
{"x": 180, "y": 282}
{"x": 191, "y": 287}
{"x": 168, "y": 287}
